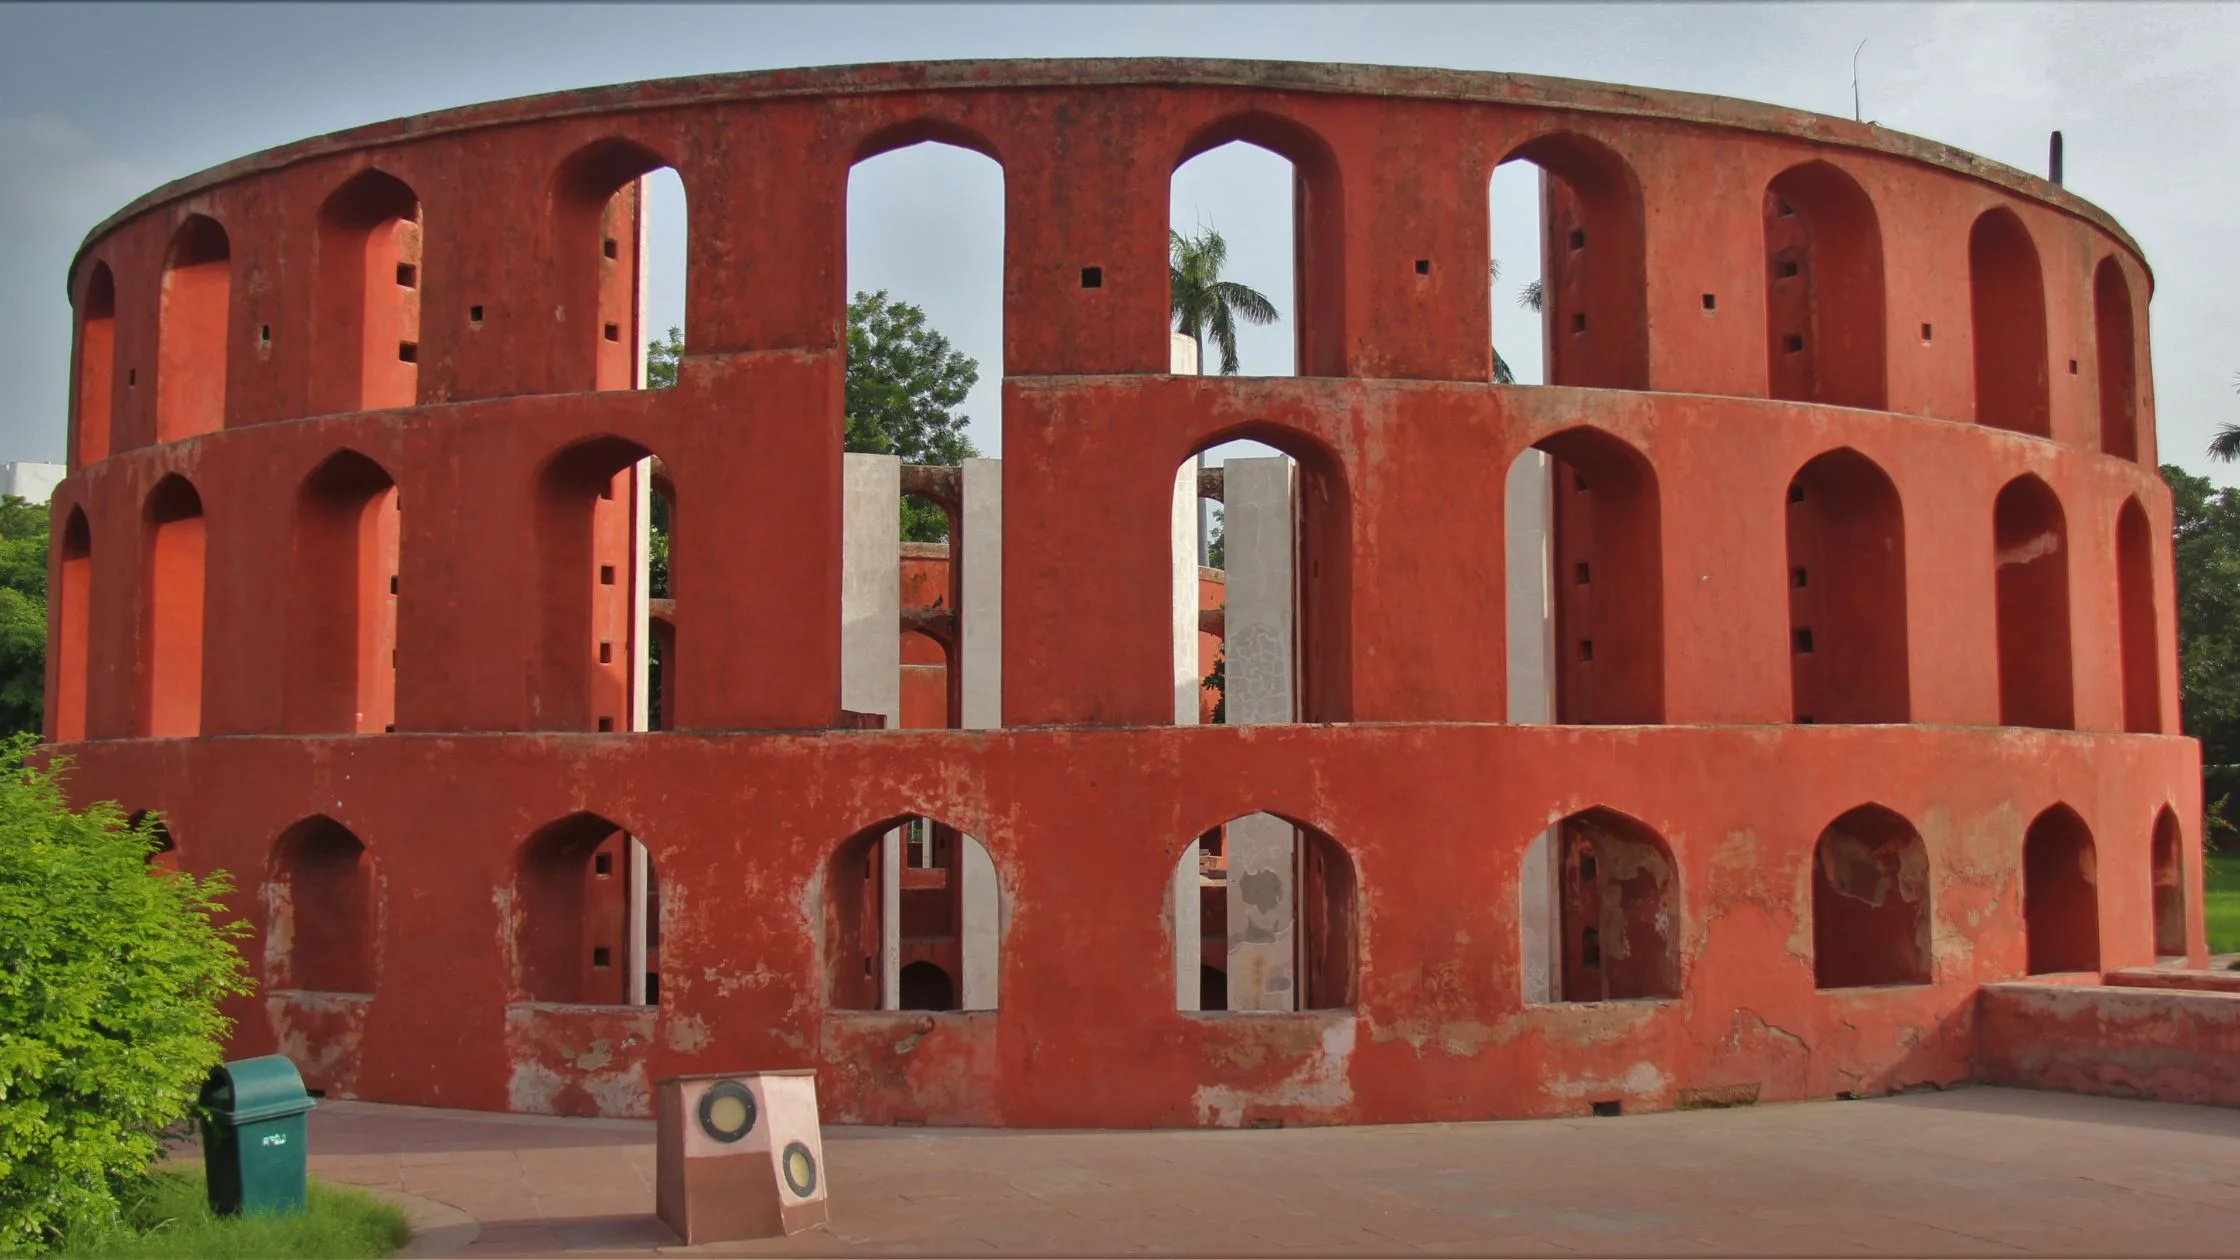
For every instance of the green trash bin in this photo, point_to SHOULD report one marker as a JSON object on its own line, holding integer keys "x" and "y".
{"x": 253, "y": 1136}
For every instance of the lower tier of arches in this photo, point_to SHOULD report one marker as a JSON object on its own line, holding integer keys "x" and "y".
{"x": 1973, "y": 855}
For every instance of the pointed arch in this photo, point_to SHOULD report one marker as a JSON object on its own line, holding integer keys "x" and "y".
{"x": 2030, "y": 536}
{"x": 594, "y": 232}
{"x": 342, "y": 601}
{"x": 1609, "y": 566}
{"x": 1594, "y": 269}
{"x": 1824, "y": 289}
{"x": 2060, "y": 893}
{"x": 365, "y": 335}
{"x": 97, "y": 362}
{"x": 2141, "y": 639}
{"x": 913, "y": 891}
{"x": 73, "y": 633}
{"x": 2117, "y": 355}
{"x": 1847, "y": 592}
{"x": 195, "y": 316}
{"x": 1619, "y": 905}
{"x": 1317, "y": 231}
{"x": 1279, "y": 918}
{"x": 575, "y": 882}
{"x": 320, "y": 918}
{"x": 1870, "y": 901}
{"x": 586, "y": 530}
{"x": 2168, "y": 866}
{"x": 171, "y": 625}
{"x": 2007, "y": 302}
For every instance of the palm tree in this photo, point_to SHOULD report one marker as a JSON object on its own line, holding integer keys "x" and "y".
{"x": 1205, "y": 305}
{"x": 1532, "y": 298}
{"x": 2226, "y": 444}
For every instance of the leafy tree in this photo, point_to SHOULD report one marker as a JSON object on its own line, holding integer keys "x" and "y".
{"x": 905, "y": 383}
{"x": 23, "y": 615}
{"x": 2206, "y": 539}
{"x": 110, "y": 979}
{"x": 2226, "y": 444}
{"x": 1205, "y": 305}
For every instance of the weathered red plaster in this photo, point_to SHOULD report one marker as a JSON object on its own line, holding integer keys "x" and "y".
{"x": 254, "y": 460}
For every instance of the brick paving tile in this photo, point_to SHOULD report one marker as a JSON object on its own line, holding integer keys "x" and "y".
{"x": 1505, "y": 1246}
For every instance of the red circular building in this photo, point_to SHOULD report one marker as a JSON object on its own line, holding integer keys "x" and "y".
{"x": 1858, "y": 689}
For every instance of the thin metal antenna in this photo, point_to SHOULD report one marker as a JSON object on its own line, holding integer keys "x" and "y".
{"x": 1856, "y": 116}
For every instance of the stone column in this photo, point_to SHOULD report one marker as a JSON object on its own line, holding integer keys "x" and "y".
{"x": 979, "y": 548}
{"x": 1527, "y": 531}
{"x": 1259, "y": 611}
{"x": 871, "y": 653}
{"x": 1183, "y": 535}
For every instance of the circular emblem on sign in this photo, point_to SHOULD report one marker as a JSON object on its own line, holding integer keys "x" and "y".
{"x": 800, "y": 1168}
{"x": 727, "y": 1111}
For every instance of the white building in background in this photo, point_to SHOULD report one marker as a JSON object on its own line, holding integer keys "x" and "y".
{"x": 33, "y": 483}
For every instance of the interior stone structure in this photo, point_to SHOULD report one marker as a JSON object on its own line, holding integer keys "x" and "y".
{"x": 1779, "y": 703}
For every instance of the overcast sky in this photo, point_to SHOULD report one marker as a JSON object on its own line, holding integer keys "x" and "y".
{"x": 101, "y": 102}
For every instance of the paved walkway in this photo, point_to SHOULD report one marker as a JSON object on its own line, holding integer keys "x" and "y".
{"x": 1970, "y": 1172}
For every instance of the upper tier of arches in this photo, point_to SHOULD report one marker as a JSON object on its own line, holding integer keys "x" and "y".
{"x": 1729, "y": 248}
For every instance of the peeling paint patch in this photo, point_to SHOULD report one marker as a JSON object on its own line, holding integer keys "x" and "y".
{"x": 1320, "y": 1087}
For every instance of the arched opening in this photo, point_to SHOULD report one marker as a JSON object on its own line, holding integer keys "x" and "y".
{"x": 73, "y": 606}
{"x": 587, "y": 518}
{"x": 586, "y": 916}
{"x": 926, "y": 987}
{"x": 913, "y": 892}
{"x": 191, "y": 341}
{"x": 1593, "y": 295}
{"x": 1269, "y": 190}
{"x": 1289, "y": 921}
{"x": 365, "y": 348}
{"x": 1608, "y": 566}
{"x": 2060, "y": 894}
{"x": 319, "y": 895}
{"x": 1619, "y": 899}
{"x": 97, "y": 360}
{"x": 598, "y": 238}
{"x": 342, "y": 630}
{"x": 171, "y": 611}
{"x": 2169, "y": 874}
{"x": 163, "y": 851}
{"x": 1870, "y": 902}
{"x": 1847, "y": 592}
{"x": 1285, "y": 564}
{"x": 1824, "y": 324}
{"x": 2142, "y": 673}
{"x": 2007, "y": 299}
{"x": 2031, "y": 537}
{"x": 2118, "y": 363}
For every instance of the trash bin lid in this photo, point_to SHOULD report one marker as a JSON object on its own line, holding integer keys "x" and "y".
{"x": 264, "y": 1088}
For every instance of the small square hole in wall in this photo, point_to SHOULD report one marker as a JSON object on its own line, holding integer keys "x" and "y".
{"x": 408, "y": 352}
{"x": 390, "y": 729}
{"x": 1092, "y": 277}
{"x": 1578, "y": 238}
{"x": 1799, "y": 578}
{"x": 264, "y": 333}
{"x": 474, "y": 314}
{"x": 1579, "y": 322}
{"x": 602, "y": 864}
{"x": 392, "y": 658}
{"x": 1580, "y": 573}
{"x": 1927, "y": 332}
{"x": 1802, "y": 638}
{"x": 1796, "y": 492}
{"x": 606, "y": 654}
{"x": 1792, "y": 343}
{"x": 613, "y": 332}
{"x": 131, "y": 377}
{"x": 1785, "y": 271}
{"x": 1586, "y": 649}
{"x": 606, "y": 575}
{"x": 2072, "y": 367}
{"x": 392, "y": 584}
{"x": 408, "y": 275}
{"x": 1804, "y": 719}
{"x": 606, "y": 724}
{"x": 607, "y": 247}
{"x": 1423, "y": 266}
{"x": 1609, "y": 1107}
{"x": 1711, "y": 301}
{"x": 601, "y": 956}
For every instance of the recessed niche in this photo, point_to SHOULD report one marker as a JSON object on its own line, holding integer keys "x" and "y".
{"x": 1092, "y": 277}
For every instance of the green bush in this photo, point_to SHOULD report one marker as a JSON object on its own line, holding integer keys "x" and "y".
{"x": 110, "y": 978}
{"x": 169, "y": 1215}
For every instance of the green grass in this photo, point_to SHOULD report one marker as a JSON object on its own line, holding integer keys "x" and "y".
{"x": 2222, "y": 902}
{"x": 169, "y": 1218}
